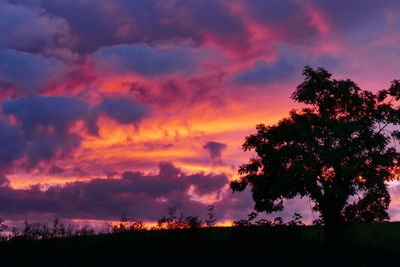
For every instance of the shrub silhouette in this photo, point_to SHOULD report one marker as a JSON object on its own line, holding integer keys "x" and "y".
{"x": 42, "y": 231}
{"x": 278, "y": 221}
{"x": 335, "y": 148}
{"x": 173, "y": 222}
{"x": 127, "y": 224}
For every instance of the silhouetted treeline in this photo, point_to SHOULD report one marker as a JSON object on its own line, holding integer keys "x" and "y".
{"x": 57, "y": 229}
{"x": 180, "y": 239}
{"x": 209, "y": 246}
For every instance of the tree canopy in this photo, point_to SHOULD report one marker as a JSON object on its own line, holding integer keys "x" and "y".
{"x": 337, "y": 150}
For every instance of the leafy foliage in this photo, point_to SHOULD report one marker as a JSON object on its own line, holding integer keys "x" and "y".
{"x": 335, "y": 148}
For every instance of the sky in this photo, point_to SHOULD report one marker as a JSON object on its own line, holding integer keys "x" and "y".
{"x": 131, "y": 107}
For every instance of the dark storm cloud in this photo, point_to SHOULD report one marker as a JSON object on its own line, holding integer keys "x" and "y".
{"x": 215, "y": 149}
{"x": 42, "y": 147}
{"x": 43, "y": 125}
{"x": 145, "y": 60}
{"x": 102, "y": 23}
{"x": 48, "y": 146}
{"x": 12, "y": 144}
{"x": 142, "y": 196}
{"x": 123, "y": 111}
{"x": 38, "y": 114}
{"x": 99, "y": 23}
{"x": 31, "y": 29}
{"x": 25, "y": 72}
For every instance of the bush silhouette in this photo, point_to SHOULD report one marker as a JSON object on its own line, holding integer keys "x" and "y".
{"x": 127, "y": 224}
{"x": 173, "y": 222}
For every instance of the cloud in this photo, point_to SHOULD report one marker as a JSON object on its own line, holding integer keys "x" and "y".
{"x": 3, "y": 180}
{"x": 48, "y": 146}
{"x": 12, "y": 145}
{"x": 101, "y": 23}
{"x": 284, "y": 68}
{"x": 145, "y": 60}
{"x": 345, "y": 15}
{"x": 177, "y": 92}
{"x": 209, "y": 21}
{"x": 142, "y": 196}
{"x": 28, "y": 29}
{"x": 43, "y": 127}
{"x": 40, "y": 114}
{"x": 123, "y": 111}
{"x": 272, "y": 15}
{"x": 215, "y": 149}
{"x": 44, "y": 146}
{"x": 23, "y": 71}
{"x": 42, "y": 131}
{"x": 264, "y": 73}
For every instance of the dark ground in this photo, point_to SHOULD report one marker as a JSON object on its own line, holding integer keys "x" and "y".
{"x": 361, "y": 245}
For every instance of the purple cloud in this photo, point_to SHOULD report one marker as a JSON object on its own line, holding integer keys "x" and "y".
{"x": 284, "y": 68}
{"x": 215, "y": 149}
{"x": 31, "y": 29}
{"x": 123, "y": 111}
{"x": 100, "y": 23}
{"x": 145, "y": 197}
{"x": 274, "y": 13}
{"x": 346, "y": 16}
{"x": 22, "y": 71}
{"x": 39, "y": 114}
{"x": 42, "y": 130}
{"x": 145, "y": 60}
{"x": 264, "y": 73}
{"x": 12, "y": 144}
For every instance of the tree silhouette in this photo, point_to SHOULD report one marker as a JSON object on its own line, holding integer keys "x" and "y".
{"x": 211, "y": 220}
{"x": 337, "y": 151}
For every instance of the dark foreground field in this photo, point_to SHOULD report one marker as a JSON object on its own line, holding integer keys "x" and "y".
{"x": 362, "y": 245}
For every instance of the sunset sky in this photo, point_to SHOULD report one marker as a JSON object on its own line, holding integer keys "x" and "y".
{"x": 131, "y": 107}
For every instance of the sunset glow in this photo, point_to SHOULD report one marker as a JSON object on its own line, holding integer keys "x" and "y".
{"x": 132, "y": 107}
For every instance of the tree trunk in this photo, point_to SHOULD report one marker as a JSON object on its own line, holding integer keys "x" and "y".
{"x": 334, "y": 225}
{"x": 333, "y": 221}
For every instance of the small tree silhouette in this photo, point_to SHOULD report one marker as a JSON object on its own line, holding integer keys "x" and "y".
{"x": 210, "y": 221}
